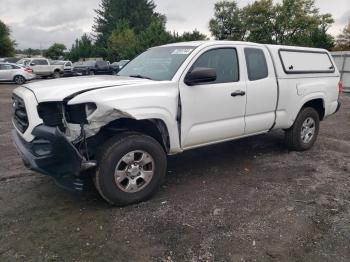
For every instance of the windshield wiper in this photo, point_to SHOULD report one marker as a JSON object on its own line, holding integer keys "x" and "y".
{"x": 141, "y": 76}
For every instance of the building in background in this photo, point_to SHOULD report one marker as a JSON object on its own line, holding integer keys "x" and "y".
{"x": 342, "y": 60}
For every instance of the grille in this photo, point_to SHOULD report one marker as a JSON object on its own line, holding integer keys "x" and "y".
{"x": 20, "y": 117}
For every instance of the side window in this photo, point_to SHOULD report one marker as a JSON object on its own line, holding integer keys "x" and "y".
{"x": 256, "y": 63}
{"x": 6, "y": 67}
{"x": 43, "y": 62}
{"x": 224, "y": 61}
{"x": 36, "y": 62}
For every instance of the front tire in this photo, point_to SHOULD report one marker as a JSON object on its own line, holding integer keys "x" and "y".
{"x": 19, "y": 80}
{"x": 303, "y": 134}
{"x": 131, "y": 167}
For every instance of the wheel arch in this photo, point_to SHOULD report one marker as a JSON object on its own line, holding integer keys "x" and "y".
{"x": 318, "y": 104}
{"x": 155, "y": 128}
{"x": 16, "y": 75}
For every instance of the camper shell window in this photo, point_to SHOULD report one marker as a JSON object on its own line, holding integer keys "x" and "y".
{"x": 305, "y": 62}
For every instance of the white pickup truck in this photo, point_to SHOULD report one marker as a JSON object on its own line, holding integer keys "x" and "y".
{"x": 44, "y": 68}
{"x": 171, "y": 98}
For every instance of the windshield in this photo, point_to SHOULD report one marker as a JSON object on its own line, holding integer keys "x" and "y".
{"x": 159, "y": 63}
{"x": 23, "y": 61}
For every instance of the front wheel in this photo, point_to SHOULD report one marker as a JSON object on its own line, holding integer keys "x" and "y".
{"x": 303, "y": 134}
{"x": 131, "y": 167}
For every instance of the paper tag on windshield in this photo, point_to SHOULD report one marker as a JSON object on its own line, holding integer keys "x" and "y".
{"x": 181, "y": 51}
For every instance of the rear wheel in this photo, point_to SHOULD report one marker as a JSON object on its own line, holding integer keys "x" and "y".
{"x": 19, "y": 80}
{"x": 303, "y": 134}
{"x": 131, "y": 168}
{"x": 56, "y": 74}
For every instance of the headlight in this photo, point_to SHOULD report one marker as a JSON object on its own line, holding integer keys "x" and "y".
{"x": 90, "y": 108}
{"x": 78, "y": 114}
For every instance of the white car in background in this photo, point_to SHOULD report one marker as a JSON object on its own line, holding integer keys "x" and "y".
{"x": 15, "y": 73}
{"x": 67, "y": 67}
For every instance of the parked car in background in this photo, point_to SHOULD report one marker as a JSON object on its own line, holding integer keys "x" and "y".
{"x": 23, "y": 62}
{"x": 43, "y": 67}
{"x": 14, "y": 73}
{"x": 94, "y": 68}
{"x": 67, "y": 67}
{"x": 119, "y": 65}
{"x": 12, "y": 60}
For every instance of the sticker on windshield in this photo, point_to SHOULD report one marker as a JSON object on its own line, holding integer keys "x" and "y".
{"x": 182, "y": 51}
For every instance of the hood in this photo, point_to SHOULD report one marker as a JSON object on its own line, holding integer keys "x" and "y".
{"x": 59, "y": 89}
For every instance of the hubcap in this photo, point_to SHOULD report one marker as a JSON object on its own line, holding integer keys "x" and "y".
{"x": 134, "y": 171}
{"x": 19, "y": 80}
{"x": 308, "y": 130}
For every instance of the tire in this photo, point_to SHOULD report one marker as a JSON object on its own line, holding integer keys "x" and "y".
{"x": 19, "y": 80}
{"x": 303, "y": 134}
{"x": 91, "y": 72}
{"x": 114, "y": 73}
{"x": 56, "y": 74}
{"x": 119, "y": 175}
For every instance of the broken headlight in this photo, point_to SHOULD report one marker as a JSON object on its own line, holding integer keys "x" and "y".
{"x": 78, "y": 114}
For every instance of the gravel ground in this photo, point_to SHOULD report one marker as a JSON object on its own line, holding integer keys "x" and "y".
{"x": 246, "y": 200}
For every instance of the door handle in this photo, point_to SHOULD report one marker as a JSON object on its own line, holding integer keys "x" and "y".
{"x": 238, "y": 93}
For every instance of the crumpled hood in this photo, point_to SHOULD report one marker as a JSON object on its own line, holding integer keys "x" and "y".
{"x": 59, "y": 89}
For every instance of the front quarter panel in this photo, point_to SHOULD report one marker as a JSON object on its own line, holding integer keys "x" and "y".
{"x": 153, "y": 100}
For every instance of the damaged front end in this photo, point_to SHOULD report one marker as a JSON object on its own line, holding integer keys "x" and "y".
{"x": 64, "y": 145}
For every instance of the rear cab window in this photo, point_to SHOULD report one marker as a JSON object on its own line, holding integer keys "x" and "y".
{"x": 256, "y": 63}
{"x": 305, "y": 61}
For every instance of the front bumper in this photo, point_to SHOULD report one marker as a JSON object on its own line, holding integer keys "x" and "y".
{"x": 50, "y": 153}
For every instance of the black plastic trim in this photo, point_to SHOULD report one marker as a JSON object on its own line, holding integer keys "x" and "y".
{"x": 62, "y": 159}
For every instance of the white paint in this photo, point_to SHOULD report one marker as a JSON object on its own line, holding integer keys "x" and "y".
{"x": 209, "y": 113}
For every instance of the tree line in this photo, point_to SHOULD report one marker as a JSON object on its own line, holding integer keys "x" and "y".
{"x": 122, "y": 29}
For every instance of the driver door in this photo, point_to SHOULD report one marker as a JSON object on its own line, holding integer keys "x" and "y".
{"x": 213, "y": 111}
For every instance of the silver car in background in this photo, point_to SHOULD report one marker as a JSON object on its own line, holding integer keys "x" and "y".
{"x": 15, "y": 73}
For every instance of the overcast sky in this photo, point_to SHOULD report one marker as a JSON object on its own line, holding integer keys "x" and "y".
{"x": 43, "y": 22}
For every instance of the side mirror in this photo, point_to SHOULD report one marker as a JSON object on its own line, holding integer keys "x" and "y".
{"x": 32, "y": 64}
{"x": 200, "y": 75}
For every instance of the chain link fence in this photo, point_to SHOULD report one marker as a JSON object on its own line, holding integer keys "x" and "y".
{"x": 342, "y": 60}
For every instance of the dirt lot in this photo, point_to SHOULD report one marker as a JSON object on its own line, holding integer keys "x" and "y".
{"x": 247, "y": 200}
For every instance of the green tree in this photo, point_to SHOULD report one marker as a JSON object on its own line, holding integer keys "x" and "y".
{"x": 82, "y": 48}
{"x": 137, "y": 14}
{"x": 195, "y": 35}
{"x": 154, "y": 35}
{"x": 55, "y": 51}
{"x": 122, "y": 44}
{"x": 258, "y": 20}
{"x": 343, "y": 40}
{"x": 292, "y": 22}
{"x": 6, "y": 44}
{"x": 227, "y": 22}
